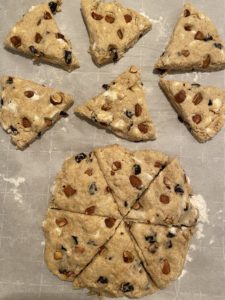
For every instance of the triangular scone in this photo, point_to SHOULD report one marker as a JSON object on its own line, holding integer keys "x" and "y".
{"x": 117, "y": 270}
{"x": 167, "y": 200}
{"x": 112, "y": 28}
{"x": 122, "y": 108}
{"x": 37, "y": 35}
{"x": 164, "y": 250}
{"x": 128, "y": 174}
{"x": 195, "y": 44}
{"x": 72, "y": 240}
{"x": 202, "y": 108}
{"x": 28, "y": 109}
{"x": 81, "y": 187}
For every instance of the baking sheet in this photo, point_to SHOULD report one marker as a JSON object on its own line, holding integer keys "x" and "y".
{"x": 26, "y": 177}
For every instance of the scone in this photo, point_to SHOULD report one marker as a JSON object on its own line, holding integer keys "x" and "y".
{"x": 112, "y": 28}
{"x": 122, "y": 108}
{"x": 195, "y": 44}
{"x": 37, "y": 36}
{"x": 28, "y": 109}
{"x": 201, "y": 108}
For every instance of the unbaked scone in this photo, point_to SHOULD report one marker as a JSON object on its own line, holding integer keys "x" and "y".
{"x": 201, "y": 108}
{"x": 122, "y": 108}
{"x": 195, "y": 44}
{"x": 28, "y": 109}
{"x": 117, "y": 270}
{"x": 37, "y": 36}
{"x": 72, "y": 240}
{"x": 112, "y": 28}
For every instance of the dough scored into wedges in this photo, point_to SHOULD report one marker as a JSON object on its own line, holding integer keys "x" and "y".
{"x": 112, "y": 28}
{"x": 72, "y": 240}
{"x": 28, "y": 109}
{"x": 195, "y": 44}
{"x": 122, "y": 108}
{"x": 202, "y": 108}
{"x": 167, "y": 200}
{"x": 37, "y": 36}
{"x": 164, "y": 250}
{"x": 117, "y": 270}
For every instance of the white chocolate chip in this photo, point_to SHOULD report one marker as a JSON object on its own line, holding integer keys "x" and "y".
{"x": 12, "y": 106}
{"x": 119, "y": 124}
{"x": 111, "y": 95}
{"x": 105, "y": 117}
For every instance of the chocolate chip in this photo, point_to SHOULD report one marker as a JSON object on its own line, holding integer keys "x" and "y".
{"x": 128, "y": 257}
{"x": 9, "y": 80}
{"x": 120, "y": 34}
{"x": 113, "y": 52}
{"x": 125, "y": 204}
{"x": 109, "y": 222}
{"x": 208, "y": 38}
{"x": 178, "y": 189}
{"x": 135, "y": 182}
{"x": 63, "y": 114}
{"x": 187, "y": 27}
{"x": 34, "y": 51}
{"x": 75, "y": 239}
{"x": 110, "y": 19}
{"x": 126, "y": 287}
{"x": 96, "y": 16}
{"x": 38, "y": 38}
{"x": 129, "y": 114}
{"x": 197, "y": 98}
{"x": 166, "y": 267}
{"x": 13, "y": 129}
{"x": 53, "y": 6}
{"x": 136, "y": 169}
{"x": 105, "y": 86}
{"x": 168, "y": 244}
{"x": 164, "y": 199}
{"x": 90, "y": 210}
{"x": 16, "y": 41}
{"x": 68, "y": 57}
{"x": 92, "y": 188}
{"x": 128, "y": 18}
{"x": 199, "y": 36}
{"x": 197, "y": 118}
{"x": 69, "y": 191}
{"x": 102, "y": 280}
{"x": 143, "y": 128}
{"x": 29, "y": 94}
{"x": 170, "y": 235}
{"x": 180, "y": 96}
{"x": 151, "y": 238}
{"x": 218, "y": 46}
{"x": 187, "y": 13}
{"x": 138, "y": 110}
{"x": 26, "y": 123}
{"x": 210, "y": 102}
{"x": 185, "y": 53}
{"x": 206, "y": 61}
{"x": 47, "y": 15}
{"x": 80, "y": 157}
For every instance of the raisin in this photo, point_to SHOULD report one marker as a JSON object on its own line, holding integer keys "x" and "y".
{"x": 26, "y": 123}
{"x": 187, "y": 13}
{"x": 178, "y": 189}
{"x": 143, "y": 128}
{"x": 138, "y": 110}
{"x": 89, "y": 172}
{"x": 136, "y": 169}
{"x": 126, "y": 287}
{"x": 116, "y": 166}
{"x": 110, "y": 222}
{"x": 63, "y": 114}
{"x": 185, "y": 53}
{"x": 75, "y": 239}
{"x": 197, "y": 118}
{"x": 29, "y": 94}
{"x": 80, "y": 157}
{"x": 105, "y": 86}
{"x": 34, "y": 51}
{"x": 166, "y": 267}
{"x": 120, "y": 34}
{"x": 113, "y": 52}
{"x": 90, "y": 210}
{"x": 129, "y": 114}
{"x": 199, "y": 36}
{"x": 16, "y": 41}
{"x": 9, "y": 80}
{"x": 187, "y": 27}
{"x": 69, "y": 191}
{"x": 164, "y": 199}
{"x": 109, "y": 19}
{"x": 218, "y": 45}
{"x": 96, "y": 16}
{"x": 47, "y": 15}
{"x": 206, "y": 61}
{"x": 128, "y": 18}
{"x": 135, "y": 182}
{"x": 158, "y": 164}
{"x": 58, "y": 255}
{"x": 180, "y": 97}
{"x": 38, "y": 38}
{"x": 151, "y": 238}
{"x": 210, "y": 102}
{"x": 68, "y": 57}
{"x": 79, "y": 250}
{"x": 53, "y": 6}
{"x": 102, "y": 280}
{"x": 92, "y": 188}
{"x": 128, "y": 257}
{"x": 197, "y": 98}
{"x": 170, "y": 235}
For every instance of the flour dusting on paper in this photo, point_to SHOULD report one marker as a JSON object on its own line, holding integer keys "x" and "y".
{"x": 199, "y": 202}
{"x": 15, "y": 182}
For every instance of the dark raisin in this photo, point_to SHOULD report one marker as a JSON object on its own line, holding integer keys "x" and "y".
{"x": 68, "y": 57}
{"x": 218, "y": 45}
{"x": 13, "y": 129}
{"x": 125, "y": 204}
{"x": 199, "y": 36}
{"x": 33, "y": 50}
{"x": 80, "y": 157}
{"x": 128, "y": 18}
{"x": 180, "y": 96}
{"x": 208, "y": 38}
{"x": 75, "y": 238}
{"x": 136, "y": 169}
{"x": 126, "y": 287}
{"x": 16, "y": 41}
{"x": 129, "y": 114}
{"x": 47, "y": 16}
{"x": 113, "y": 52}
{"x": 168, "y": 244}
{"x": 187, "y": 13}
{"x": 96, "y": 16}
{"x": 105, "y": 86}
{"x": 29, "y": 94}
{"x": 170, "y": 235}
{"x": 9, "y": 80}
{"x": 110, "y": 19}
{"x": 63, "y": 248}
{"x": 92, "y": 188}
{"x": 178, "y": 189}
{"x": 64, "y": 114}
{"x": 187, "y": 27}
{"x": 102, "y": 280}
{"x": 53, "y": 6}
{"x": 38, "y": 38}
{"x": 210, "y": 102}
{"x": 151, "y": 238}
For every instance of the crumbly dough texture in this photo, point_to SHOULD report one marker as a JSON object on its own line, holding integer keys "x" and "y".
{"x": 101, "y": 248}
{"x": 37, "y": 36}
{"x": 201, "y": 108}
{"x": 72, "y": 240}
{"x": 112, "y": 28}
{"x": 167, "y": 200}
{"x": 122, "y": 108}
{"x": 164, "y": 250}
{"x": 29, "y": 109}
{"x": 117, "y": 270}
{"x": 195, "y": 44}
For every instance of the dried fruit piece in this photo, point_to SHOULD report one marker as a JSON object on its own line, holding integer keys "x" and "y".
{"x": 26, "y": 123}
{"x": 187, "y": 27}
{"x": 38, "y": 38}
{"x": 178, "y": 189}
{"x": 80, "y": 157}
{"x": 96, "y": 16}
{"x": 90, "y": 210}
{"x": 68, "y": 57}
{"x": 113, "y": 52}
{"x": 53, "y": 6}
{"x": 69, "y": 191}
{"x": 128, "y": 18}
{"x": 143, "y": 128}
{"x": 116, "y": 165}
{"x": 79, "y": 250}
{"x": 109, "y": 222}
{"x": 16, "y": 41}
{"x": 166, "y": 267}
{"x": 180, "y": 96}
{"x": 126, "y": 287}
{"x": 29, "y": 94}
{"x": 135, "y": 182}
{"x": 187, "y": 13}
{"x": 138, "y": 110}
{"x": 47, "y": 16}
{"x": 128, "y": 257}
{"x": 89, "y": 172}
{"x": 199, "y": 36}
{"x": 197, "y": 98}
{"x": 61, "y": 222}
{"x": 206, "y": 61}
{"x": 164, "y": 199}
{"x": 110, "y": 19}
{"x": 58, "y": 255}
{"x": 185, "y": 53}
{"x": 197, "y": 118}
{"x": 56, "y": 98}
{"x": 120, "y": 34}
{"x": 137, "y": 169}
